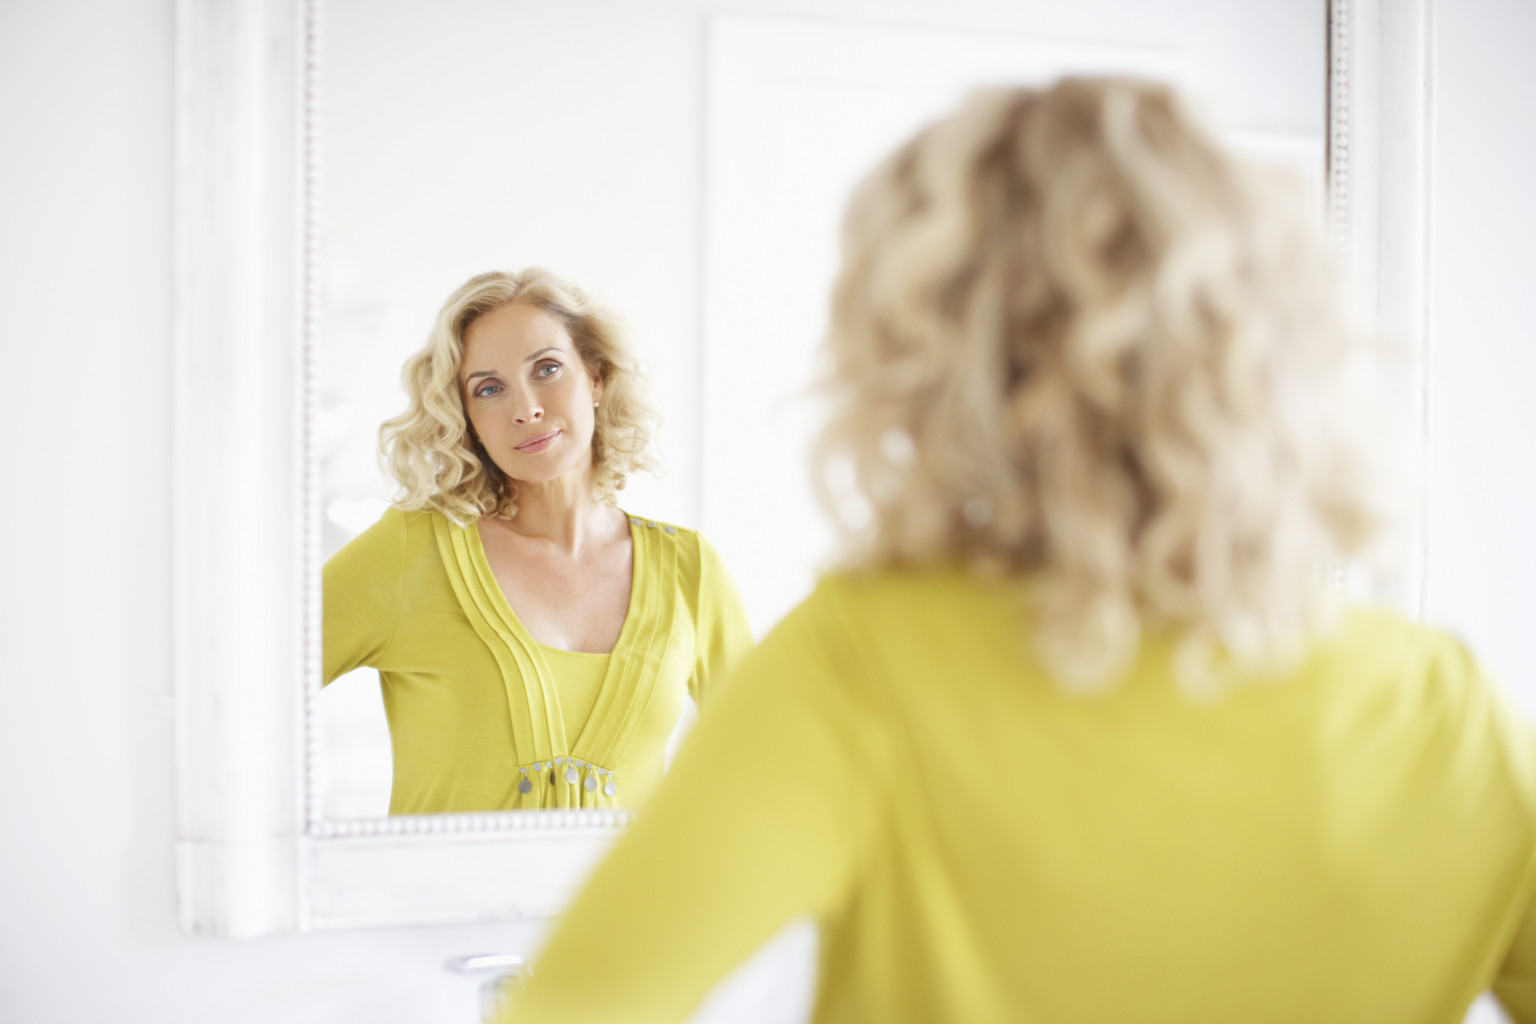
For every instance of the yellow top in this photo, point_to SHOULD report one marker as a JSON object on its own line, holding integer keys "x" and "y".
{"x": 480, "y": 712}
{"x": 1353, "y": 843}
{"x": 580, "y": 676}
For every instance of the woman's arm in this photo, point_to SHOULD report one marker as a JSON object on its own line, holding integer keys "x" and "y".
{"x": 764, "y": 817}
{"x": 724, "y": 636}
{"x": 362, "y": 590}
{"x": 1515, "y": 986}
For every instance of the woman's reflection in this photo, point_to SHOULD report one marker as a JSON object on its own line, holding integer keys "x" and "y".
{"x": 534, "y": 642}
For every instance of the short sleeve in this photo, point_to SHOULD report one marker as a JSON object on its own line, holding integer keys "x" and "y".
{"x": 1498, "y": 739}
{"x": 724, "y": 636}
{"x": 1515, "y": 986}
{"x": 362, "y": 589}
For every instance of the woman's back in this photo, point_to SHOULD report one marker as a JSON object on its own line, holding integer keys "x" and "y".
{"x": 1077, "y": 346}
{"x": 1352, "y": 842}
{"x": 1348, "y": 843}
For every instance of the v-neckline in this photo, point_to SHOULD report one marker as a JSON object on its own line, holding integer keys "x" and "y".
{"x": 483, "y": 563}
{"x": 498, "y": 598}
{"x": 654, "y": 627}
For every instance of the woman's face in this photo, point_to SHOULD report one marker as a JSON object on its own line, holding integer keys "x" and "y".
{"x": 528, "y": 394}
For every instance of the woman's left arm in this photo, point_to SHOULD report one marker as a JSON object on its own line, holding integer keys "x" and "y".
{"x": 773, "y": 804}
{"x": 724, "y": 636}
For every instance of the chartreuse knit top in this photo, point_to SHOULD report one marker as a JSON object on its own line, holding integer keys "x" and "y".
{"x": 482, "y": 717}
{"x": 1353, "y": 842}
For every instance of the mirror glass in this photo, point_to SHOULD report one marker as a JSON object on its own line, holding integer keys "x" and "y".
{"x": 687, "y": 163}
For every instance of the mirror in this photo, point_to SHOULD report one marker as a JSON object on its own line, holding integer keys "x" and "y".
{"x": 686, "y": 163}
{"x": 705, "y": 210}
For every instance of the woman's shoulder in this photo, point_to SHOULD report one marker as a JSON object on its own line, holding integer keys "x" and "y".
{"x": 662, "y": 527}
{"x": 688, "y": 543}
{"x": 1433, "y": 660}
{"x": 410, "y": 521}
{"x": 693, "y": 558}
{"x": 390, "y": 537}
{"x": 903, "y": 592}
{"x": 1427, "y": 681}
{"x": 1415, "y": 650}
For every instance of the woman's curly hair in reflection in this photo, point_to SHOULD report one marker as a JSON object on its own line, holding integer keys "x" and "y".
{"x": 430, "y": 450}
{"x": 1075, "y": 343}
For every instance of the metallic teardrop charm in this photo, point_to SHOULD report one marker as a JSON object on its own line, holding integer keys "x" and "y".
{"x": 570, "y": 775}
{"x": 610, "y": 789}
{"x": 591, "y": 783}
{"x": 526, "y": 786}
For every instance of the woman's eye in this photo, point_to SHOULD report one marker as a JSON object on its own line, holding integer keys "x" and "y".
{"x": 547, "y": 369}
{"x": 487, "y": 390}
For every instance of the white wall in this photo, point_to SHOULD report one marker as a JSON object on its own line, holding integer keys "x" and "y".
{"x": 1482, "y": 512}
{"x": 87, "y": 908}
{"x": 87, "y": 920}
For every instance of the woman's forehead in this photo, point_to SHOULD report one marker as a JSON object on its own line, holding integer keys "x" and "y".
{"x": 515, "y": 329}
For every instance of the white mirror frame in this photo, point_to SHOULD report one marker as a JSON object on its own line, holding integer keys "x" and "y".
{"x": 254, "y": 854}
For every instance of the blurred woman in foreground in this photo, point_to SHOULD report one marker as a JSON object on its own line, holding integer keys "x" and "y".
{"x": 1075, "y": 734}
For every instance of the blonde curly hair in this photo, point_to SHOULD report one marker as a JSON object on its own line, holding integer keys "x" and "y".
{"x": 430, "y": 450}
{"x": 1074, "y": 342}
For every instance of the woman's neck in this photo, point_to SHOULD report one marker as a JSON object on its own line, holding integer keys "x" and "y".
{"x": 565, "y": 514}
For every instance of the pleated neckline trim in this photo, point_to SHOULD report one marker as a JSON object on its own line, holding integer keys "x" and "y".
{"x": 576, "y": 769}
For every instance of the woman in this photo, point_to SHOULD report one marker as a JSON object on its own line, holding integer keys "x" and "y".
{"x": 1074, "y": 735}
{"x": 534, "y": 642}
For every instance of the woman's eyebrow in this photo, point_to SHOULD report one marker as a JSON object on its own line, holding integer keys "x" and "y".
{"x": 479, "y": 373}
{"x": 540, "y": 352}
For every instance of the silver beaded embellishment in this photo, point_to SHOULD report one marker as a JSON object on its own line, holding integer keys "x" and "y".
{"x": 567, "y": 770}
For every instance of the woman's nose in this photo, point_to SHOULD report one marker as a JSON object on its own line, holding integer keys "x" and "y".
{"x": 529, "y": 414}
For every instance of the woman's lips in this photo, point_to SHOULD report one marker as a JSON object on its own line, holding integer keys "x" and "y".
{"x": 539, "y": 443}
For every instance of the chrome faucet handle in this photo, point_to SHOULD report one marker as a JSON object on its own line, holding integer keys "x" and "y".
{"x": 503, "y": 974}
{"x": 499, "y": 962}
